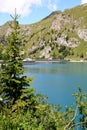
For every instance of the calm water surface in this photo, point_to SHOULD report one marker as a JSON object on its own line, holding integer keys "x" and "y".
{"x": 58, "y": 80}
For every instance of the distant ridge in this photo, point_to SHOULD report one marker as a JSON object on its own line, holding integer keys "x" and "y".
{"x": 60, "y": 35}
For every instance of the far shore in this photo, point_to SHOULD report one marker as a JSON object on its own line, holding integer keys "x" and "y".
{"x": 78, "y": 61}
{"x": 61, "y": 61}
{"x": 53, "y": 61}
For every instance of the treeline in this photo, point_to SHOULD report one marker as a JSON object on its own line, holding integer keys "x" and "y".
{"x": 21, "y": 108}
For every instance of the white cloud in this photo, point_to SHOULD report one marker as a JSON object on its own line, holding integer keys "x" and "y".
{"x": 23, "y": 7}
{"x": 84, "y": 1}
{"x": 52, "y": 5}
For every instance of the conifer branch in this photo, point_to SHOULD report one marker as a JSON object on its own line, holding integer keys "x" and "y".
{"x": 67, "y": 126}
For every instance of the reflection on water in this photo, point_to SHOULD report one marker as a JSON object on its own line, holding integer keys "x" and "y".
{"x": 58, "y": 81}
{"x": 57, "y": 68}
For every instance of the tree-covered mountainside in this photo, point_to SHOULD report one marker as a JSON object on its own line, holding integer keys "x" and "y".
{"x": 59, "y": 35}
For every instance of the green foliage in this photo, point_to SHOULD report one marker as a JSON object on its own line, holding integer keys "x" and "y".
{"x": 12, "y": 81}
{"x": 37, "y": 114}
{"x": 65, "y": 51}
{"x": 81, "y": 101}
{"x": 2, "y": 48}
{"x": 43, "y": 118}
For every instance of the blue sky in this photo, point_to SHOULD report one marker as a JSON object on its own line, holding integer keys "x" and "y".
{"x": 32, "y": 11}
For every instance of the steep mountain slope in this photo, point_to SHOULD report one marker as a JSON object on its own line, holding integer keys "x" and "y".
{"x": 59, "y": 35}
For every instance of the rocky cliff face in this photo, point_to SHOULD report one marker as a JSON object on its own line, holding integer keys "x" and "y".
{"x": 82, "y": 33}
{"x": 60, "y": 35}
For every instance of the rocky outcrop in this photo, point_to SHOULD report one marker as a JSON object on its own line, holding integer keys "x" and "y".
{"x": 71, "y": 42}
{"x": 60, "y": 22}
{"x": 45, "y": 53}
{"x": 82, "y": 33}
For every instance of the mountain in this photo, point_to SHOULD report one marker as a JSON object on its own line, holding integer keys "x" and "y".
{"x": 59, "y": 35}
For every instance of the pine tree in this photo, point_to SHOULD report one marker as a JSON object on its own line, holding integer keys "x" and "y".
{"x": 12, "y": 81}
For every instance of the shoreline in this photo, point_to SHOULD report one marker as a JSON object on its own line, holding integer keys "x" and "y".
{"x": 53, "y": 61}
{"x": 79, "y": 61}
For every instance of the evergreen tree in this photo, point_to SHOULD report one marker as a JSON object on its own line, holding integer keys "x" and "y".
{"x": 12, "y": 81}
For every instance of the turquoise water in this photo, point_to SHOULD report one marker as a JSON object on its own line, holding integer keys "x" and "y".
{"x": 58, "y": 80}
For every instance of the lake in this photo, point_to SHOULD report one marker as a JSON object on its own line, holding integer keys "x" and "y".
{"x": 58, "y": 80}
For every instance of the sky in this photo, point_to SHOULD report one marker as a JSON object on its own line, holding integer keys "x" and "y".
{"x": 32, "y": 11}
